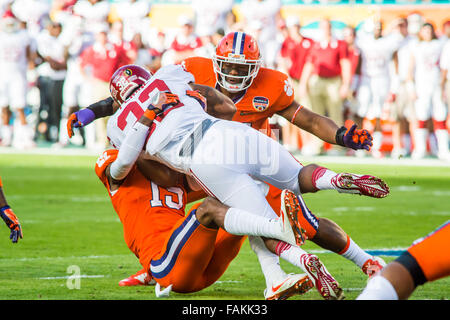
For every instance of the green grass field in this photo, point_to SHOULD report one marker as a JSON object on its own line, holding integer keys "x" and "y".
{"x": 67, "y": 220}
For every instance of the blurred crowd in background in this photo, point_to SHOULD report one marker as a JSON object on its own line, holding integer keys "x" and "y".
{"x": 58, "y": 56}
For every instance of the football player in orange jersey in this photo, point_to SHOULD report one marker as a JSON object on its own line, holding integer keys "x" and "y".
{"x": 425, "y": 260}
{"x": 194, "y": 253}
{"x": 258, "y": 93}
{"x": 9, "y": 217}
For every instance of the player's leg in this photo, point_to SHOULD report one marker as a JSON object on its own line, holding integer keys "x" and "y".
{"x": 423, "y": 113}
{"x": 6, "y": 129}
{"x": 185, "y": 255}
{"x": 424, "y": 261}
{"x": 440, "y": 130}
{"x": 226, "y": 248}
{"x": 329, "y": 235}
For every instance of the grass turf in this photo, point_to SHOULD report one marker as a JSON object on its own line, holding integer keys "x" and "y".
{"x": 68, "y": 221}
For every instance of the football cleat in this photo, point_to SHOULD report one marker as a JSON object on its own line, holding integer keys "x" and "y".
{"x": 290, "y": 210}
{"x": 327, "y": 286}
{"x": 293, "y": 284}
{"x": 372, "y": 266}
{"x": 365, "y": 185}
{"x": 142, "y": 278}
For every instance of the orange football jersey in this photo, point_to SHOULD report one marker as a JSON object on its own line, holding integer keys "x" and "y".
{"x": 269, "y": 93}
{"x": 146, "y": 210}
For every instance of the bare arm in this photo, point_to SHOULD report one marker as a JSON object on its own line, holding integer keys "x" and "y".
{"x": 218, "y": 104}
{"x": 320, "y": 126}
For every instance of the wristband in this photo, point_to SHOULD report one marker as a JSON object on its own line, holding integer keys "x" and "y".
{"x": 300, "y": 107}
{"x": 340, "y": 136}
{"x": 150, "y": 114}
{"x": 3, "y": 209}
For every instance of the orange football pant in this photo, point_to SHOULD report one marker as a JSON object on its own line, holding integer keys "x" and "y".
{"x": 194, "y": 256}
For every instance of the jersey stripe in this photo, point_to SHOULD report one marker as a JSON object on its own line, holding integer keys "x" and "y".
{"x": 161, "y": 267}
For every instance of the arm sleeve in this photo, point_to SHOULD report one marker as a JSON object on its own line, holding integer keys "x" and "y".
{"x": 129, "y": 151}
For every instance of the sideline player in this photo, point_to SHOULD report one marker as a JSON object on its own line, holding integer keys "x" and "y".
{"x": 9, "y": 217}
{"x": 424, "y": 261}
{"x": 15, "y": 54}
{"x": 258, "y": 93}
{"x": 204, "y": 251}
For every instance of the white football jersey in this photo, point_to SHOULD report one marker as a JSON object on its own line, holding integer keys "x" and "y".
{"x": 13, "y": 51}
{"x": 167, "y": 136}
{"x": 445, "y": 58}
{"x": 426, "y": 58}
{"x": 377, "y": 53}
{"x": 404, "y": 57}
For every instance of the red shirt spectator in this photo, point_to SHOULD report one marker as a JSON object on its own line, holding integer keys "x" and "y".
{"x": 103, "y": 58}
{"x": 326, "y": 57}
{"x": 297, "y": 53}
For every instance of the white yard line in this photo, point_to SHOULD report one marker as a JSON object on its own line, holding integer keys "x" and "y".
{"x": 81, "y": 276}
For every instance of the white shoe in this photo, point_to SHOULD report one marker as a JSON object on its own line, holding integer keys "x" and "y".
{"x": 398, "y": 153}
{"x": 416, "y": 155}
{"x": 377, "y": 154}
{"x": 293, "y": 284}
{"x": 445, "y": 156}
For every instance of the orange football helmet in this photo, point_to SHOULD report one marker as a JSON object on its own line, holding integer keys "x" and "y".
{"x": 237, "y": 61}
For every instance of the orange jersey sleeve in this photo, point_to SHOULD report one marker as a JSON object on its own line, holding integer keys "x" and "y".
{"x": 269, "y": 93}
{"x": 202, "y": 69}
{"x": 103, "y": 161}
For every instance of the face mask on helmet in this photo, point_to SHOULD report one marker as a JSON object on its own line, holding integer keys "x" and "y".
{"x": 126, "y": 81}
{"x": 237, "y": 61}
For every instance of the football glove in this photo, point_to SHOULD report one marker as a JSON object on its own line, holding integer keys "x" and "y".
{"x": 79, "y": 119}
{"x": 354, "y": 138}
{"x": 163, "y": 102}
{"x": 12, "y": 222}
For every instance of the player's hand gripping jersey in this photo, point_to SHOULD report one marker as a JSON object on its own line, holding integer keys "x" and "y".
{"x": 269, "y": 92}
{"x": 169, "y": 131}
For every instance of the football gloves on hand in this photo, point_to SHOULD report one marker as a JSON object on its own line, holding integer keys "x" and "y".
{"x": 163, "y": 101}
{"x": 79, "y": 119}
{"x": 354, "y": 138}
{"x": 12, "y": 222}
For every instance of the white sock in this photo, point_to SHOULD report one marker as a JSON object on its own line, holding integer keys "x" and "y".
{"x": 377, "y": 139}
{"x": 63, "y": 134}
{"x": 291, "y": 254}
{"x": 355, "y": 254}
{"x": 241, "y": 222}
{"x": 420, "y": 140}
{"x": 322, "y": 178}
{"x": 442, "y": 141}
{"x": 378, "y": 288}
{"x": 7, "y": 134}
{"x": 406, "y": 139}
{"x": 269, "y": 262}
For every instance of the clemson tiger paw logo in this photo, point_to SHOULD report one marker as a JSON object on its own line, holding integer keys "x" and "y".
{"x": 288, "y": 88}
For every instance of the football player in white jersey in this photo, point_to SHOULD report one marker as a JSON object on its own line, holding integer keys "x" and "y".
{"x": 445, "y": 69}
{"x": 425, "y": 75}
{"x": 375, "y": 84}
{"x": 15, "y": 53}
{"x": 184, "y": 137}
{"x": 402, "y": 108}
